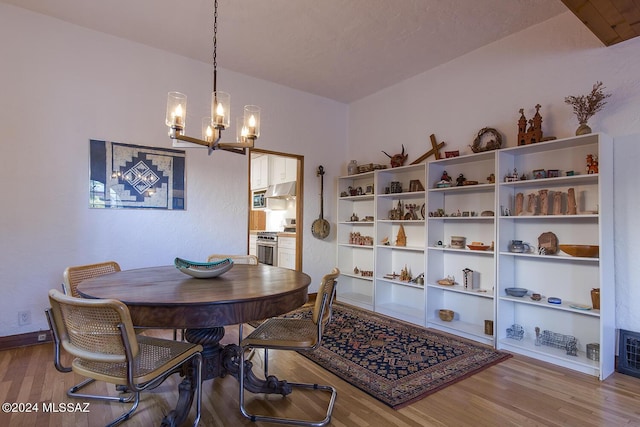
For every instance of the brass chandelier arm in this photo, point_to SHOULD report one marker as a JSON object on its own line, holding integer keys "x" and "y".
{"x": 234, "y": 147}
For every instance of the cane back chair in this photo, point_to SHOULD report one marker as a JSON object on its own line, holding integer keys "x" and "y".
{"x": 99, "y": 334}
{"x": 72, "y": 276}
{"x": 281, "y": 333}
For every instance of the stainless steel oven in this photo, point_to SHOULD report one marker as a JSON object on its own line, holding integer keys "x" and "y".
{"x": 267, "y": 247}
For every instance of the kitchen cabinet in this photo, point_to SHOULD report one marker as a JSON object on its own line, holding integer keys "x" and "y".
{"x": 282, "y": 169}
{"x": 286, "y": 252}
{"x": 259, "y": 171}
{"x": 253, "y": 238}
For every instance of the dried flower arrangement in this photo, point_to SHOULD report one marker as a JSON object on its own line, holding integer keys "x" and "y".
{"x": 585, "y": 106}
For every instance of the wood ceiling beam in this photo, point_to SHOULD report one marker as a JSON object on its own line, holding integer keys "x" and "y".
{"x": 612, "y": 21}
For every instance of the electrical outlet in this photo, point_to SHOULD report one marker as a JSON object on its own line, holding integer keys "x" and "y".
{"x": 24, "y": 318}
{"x": 42, "y": 337}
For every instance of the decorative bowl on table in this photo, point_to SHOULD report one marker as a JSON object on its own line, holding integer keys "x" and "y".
{"x": 516, "y": 292}
{"x": 587, "y": 251}
{"x": 203, "y": 270}
{"x": 445, "y": 315}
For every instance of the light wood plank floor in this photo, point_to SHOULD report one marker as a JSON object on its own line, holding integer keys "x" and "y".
{"x": 517, "y": 392}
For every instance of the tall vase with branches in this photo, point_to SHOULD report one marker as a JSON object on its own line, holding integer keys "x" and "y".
{"x": 585, "y": 106}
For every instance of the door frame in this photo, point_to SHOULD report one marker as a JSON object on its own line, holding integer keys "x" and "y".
{"x": 299, "y": 197}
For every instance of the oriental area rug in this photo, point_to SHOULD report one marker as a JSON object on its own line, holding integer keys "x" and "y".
{"x": 396, "y": 362}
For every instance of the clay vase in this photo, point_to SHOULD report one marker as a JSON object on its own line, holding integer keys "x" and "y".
{"x": 583, "y": 129}
{"x": 595, "y": 298}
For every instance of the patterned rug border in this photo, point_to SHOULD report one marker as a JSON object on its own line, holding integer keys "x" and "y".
{"x": 414, "y": 386}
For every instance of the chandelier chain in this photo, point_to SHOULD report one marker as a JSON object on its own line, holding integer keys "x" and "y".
{"x": 215, "y": 45}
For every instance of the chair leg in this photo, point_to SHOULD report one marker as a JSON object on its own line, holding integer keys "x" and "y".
{"x": 73, "y": 392}
{"x": 279, "y": 420}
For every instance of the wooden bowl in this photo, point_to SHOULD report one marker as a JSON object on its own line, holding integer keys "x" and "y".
{"x": 446, "y": 315}
{"x": 587, "y": 251}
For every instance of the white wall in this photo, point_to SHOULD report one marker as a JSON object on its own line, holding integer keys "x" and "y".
{"x": 62, "y": 85}
{"x": 487, "y": 87}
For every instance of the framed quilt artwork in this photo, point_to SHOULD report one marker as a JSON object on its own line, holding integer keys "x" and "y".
{"x": 136, "y": 177}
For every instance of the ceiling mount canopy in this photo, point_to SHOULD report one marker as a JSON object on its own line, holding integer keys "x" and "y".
{"x": 248, "y": 126}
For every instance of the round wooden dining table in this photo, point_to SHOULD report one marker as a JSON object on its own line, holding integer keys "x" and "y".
{"x": 165, "y": 298}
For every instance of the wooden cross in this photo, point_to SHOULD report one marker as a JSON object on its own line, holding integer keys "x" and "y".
{"x": 434, "y": 150}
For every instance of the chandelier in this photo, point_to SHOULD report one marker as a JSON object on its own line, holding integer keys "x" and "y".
{"x": 248, "y": 126}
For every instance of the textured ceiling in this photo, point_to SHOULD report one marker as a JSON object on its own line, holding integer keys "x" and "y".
{"x": 339, "y": 49}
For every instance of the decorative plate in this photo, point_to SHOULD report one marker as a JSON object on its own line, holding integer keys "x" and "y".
{"x": 580, "y": 306}
{"x": 203, "y": 270}
{"x": 478, "y": 247}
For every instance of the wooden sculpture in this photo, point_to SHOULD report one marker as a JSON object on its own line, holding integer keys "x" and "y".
{"x": 519, "y": 203}
{"x": 532, "y": 134}
{"x": 532, "y": 205}
{"x": 401, "y": 238}
{"x": 557, "y": 203}
{"x": 544, "y": 202}
{"x": 571, "y": 202}
{"x": 435, "y": 147}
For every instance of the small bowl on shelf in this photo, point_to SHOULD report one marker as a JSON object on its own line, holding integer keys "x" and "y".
{"x": 516, "y": 292}
{"x": 445, "y": 315}
{"x": 586, "y": 251}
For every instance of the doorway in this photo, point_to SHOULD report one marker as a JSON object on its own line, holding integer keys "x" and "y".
{"x": 276, "y": 200}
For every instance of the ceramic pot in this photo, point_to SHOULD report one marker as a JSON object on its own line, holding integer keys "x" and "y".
{"x": 595, "y": 298}
{"x": 518, "y": 247}
{"x": 583, "y": 129}
{"x": 352, "y": 169}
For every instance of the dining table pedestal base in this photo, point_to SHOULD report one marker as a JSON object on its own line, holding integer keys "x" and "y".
{"x": 219, "y": 361}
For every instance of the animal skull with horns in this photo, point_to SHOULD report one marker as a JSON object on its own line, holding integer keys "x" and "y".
{"x": 397, "y": 159}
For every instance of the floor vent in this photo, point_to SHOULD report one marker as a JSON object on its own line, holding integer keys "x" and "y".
{"x": 629, "y": 353}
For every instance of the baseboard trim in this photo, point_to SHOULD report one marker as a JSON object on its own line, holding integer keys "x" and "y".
{"x": 22, "y": 340}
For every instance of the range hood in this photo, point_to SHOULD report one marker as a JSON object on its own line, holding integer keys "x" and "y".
{"x": 286, "y": 190}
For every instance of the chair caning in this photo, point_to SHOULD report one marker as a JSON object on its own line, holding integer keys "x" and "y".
{"x": 100, "y": 334}
{"x": 327, "y": 286}
{"x": 74, "y": 275}
{"x": 90, "y": 327}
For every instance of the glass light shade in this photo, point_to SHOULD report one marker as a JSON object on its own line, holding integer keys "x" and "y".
{"x": 252, "y": 120}
{"x": 241, "y": 130}
{"x": 221, "y": 109}
{"x": 208, "y": 131}
{"x": 176, "y": 110}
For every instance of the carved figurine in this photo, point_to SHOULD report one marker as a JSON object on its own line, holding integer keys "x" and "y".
{"x": 532, "y": 134}
{"x": 460, "y": 181}
{"x": 405, "y": 276}
{"x": 571, "y": 202}
{"x": 532, "y": 205}
{"x": 544, "y": 202}
{"x": 592, "y": 164}
{"x": 397, "y": 159}
{"x": 557, "y": 203}
{"x": 519, "y": 203}
{"x": 401, "y": 238}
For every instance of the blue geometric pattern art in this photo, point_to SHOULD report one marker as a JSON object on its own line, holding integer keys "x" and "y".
{"x": 136, "y": 177}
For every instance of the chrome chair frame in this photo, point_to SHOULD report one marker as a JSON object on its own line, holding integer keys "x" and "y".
{"x": 323, "y": 318}
{"x": 131, "y": 391}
